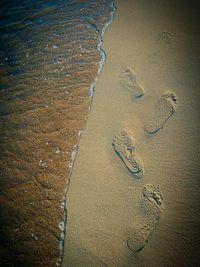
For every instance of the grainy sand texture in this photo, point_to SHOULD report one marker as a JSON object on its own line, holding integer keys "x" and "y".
{"x": 147, "y": 96}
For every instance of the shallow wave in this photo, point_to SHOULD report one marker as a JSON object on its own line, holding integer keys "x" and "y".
{"x": 50, "y": 56}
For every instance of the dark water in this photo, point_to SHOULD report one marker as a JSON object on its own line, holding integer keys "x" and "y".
{"x": 50, "y": 56}
{"x": 53, "y": 38}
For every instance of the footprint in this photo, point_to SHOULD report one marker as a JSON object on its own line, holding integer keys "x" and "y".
{"x": 124, "y": 145}
{"x": 128, "y": 80}
{"x": 165, "y": 108}
{"x": 152, "y": 206}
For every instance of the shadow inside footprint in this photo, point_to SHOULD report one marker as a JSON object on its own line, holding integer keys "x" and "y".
{"x": 165, "y": 108}
{"x": 152, "y": 206}
{"x": 128, "y": 80}
{"x": 124, "y": 145}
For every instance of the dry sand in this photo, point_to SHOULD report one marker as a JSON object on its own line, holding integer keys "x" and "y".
{"x": 106, "y": 203}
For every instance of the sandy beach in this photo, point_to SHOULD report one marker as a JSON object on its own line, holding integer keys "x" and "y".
{"x": 113, "y": 218}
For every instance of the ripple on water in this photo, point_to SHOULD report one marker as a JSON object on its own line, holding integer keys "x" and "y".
{"x": 50, "y": 55}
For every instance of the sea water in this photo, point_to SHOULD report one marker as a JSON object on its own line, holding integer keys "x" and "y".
{"x": 50, "y": 59}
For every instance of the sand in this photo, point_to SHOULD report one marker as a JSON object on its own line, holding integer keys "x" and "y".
{"x": 115, "y": 218}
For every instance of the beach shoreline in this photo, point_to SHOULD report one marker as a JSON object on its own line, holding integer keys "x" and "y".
{"x": 63, "y": 223}
{"x": 50, "y": 55}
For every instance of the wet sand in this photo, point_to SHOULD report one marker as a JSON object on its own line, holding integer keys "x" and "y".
{"x": 111, "y": 211}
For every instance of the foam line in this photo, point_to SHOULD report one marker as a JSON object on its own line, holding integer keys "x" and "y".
{"x": 63, "y": 225}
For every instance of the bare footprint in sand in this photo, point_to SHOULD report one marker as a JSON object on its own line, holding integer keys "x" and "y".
{"x": 165, "y": 108}
{"x": 124, "y": 145}
{"x": 128, "y": 80}
{"x": 152, "y": 207}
